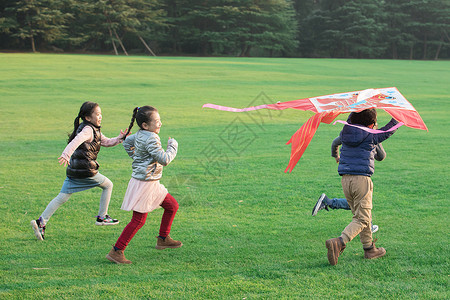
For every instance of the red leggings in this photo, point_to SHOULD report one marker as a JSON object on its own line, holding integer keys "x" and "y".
{"x": 170, "y": 206}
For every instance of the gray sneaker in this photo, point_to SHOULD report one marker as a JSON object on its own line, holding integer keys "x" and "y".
{"x": 39, "y": 230}
{"x": 320, "y": 204}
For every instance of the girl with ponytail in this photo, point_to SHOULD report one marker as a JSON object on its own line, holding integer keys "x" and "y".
{"x": 145, "y": 193}
{"x": 80, "y": 157}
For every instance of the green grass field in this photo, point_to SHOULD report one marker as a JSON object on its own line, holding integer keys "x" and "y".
{"x": 246, "y": 226}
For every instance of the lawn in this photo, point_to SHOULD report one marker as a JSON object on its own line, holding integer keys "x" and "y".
{"x": 246, "y": 226}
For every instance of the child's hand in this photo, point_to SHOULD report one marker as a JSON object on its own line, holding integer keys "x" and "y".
{"x": 172, "y": 142}
{"x": 63, "y": 161}
{"x": 124, "y": 134}
{"x": 337, "y": 159}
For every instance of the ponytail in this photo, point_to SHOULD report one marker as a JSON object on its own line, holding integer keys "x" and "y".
{"x": 76, "y": 123}
{"x": 86, "y": 109}
{"x": 135, "y": 110}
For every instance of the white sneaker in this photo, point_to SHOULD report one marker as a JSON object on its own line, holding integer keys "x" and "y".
{"x": 319, "y": 205}
{"x": 107, "y": 220}
{"x": 374, "y": 228}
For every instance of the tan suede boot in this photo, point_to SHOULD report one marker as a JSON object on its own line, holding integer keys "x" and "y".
{"x": 168, "y": 242}
{"x": 373, "y": 252}
{"x": 117, "y": 257}
{"x": 335, "y": 247}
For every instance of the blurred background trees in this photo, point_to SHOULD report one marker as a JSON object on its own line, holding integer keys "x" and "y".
{"x": 398, "y": 29}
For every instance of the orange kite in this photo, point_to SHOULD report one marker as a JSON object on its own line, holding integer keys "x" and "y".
{"x": 328, "y": 107}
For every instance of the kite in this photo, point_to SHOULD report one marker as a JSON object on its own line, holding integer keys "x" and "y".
{"x": 328, "y": 107}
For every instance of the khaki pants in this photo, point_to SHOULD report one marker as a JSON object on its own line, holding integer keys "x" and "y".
{"x": 358, "y": 192}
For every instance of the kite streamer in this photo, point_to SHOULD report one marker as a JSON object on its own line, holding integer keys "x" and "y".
{"x": 370, "y": 130}
{"x": 225, "y": 108}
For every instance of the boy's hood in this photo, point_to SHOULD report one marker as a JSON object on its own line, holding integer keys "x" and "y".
{"x": 353, "y": 136}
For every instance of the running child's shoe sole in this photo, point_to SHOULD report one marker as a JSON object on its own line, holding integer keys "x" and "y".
{"x": 318, "y": 204}
{"x": 36, "y": 230}
{"x": 105, "y": 224}
{"x": 167, "y": 247}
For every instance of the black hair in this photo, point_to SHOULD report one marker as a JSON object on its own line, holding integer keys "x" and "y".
{"x": 365, "y": 117}
{"x": 141, "y": 115}
{"x": 86, "y": 109}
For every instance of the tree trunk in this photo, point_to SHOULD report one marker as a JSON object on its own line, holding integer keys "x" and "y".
{"x": 446, "y": 35}
{"x": 112, "y": 40}
{"x": 120, "y": 42}
{"x": 146, "y": 46}
{"x": 425, "y": 45}
{"x": 172, "y": 13}
{"x": 204, "y": 48}
{"x": 33, "y": 47}
{"x": 243, "y": 49}
{"x": 394, "y": 51}
{"x": 439, "y": 47}
{"x": 247, "y": 52}
{"x": 411, "y": 52}
{"x": 87, "y": 45}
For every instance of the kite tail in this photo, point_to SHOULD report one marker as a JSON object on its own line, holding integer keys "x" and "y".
{"x": 300, "y": 140}
{"x": 232, "y": 109}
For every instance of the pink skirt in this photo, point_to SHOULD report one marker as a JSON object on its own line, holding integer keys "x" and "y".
{"x": 143, "y": 196}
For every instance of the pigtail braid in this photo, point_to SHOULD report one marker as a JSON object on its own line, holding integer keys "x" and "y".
{"x": 135, "y": 110}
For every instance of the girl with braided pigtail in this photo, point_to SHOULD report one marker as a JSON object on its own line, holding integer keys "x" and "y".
{"x": 145, "y": 193}
{"x": 80, "y": 157}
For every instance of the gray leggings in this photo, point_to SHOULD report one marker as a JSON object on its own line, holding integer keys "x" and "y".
{"x": 59, "y": 200}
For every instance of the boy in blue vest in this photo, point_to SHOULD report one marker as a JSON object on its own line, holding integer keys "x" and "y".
{"x": 341, "y": 203}
{"x": 356, "y": 166}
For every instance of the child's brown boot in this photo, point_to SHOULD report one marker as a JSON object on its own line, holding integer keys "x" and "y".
{"x": 167, "y": 242}
{"x": 335, "y": 247}
{"x": 373, "y": 252}
{"x": 117, "y": 257}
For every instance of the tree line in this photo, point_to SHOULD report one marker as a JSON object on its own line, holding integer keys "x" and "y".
{"x": 398, "y": 29}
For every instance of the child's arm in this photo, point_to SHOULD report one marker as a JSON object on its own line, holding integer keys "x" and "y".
{"x": 107, "y": 142}
{"x": 158, "y": 153}
{"x": 380, "y": 154}
{"x": 128, "y": 144}
{"x": 87, "y": 134}
{"x": 380, "y": 137}
{"x": 335, "y": 147}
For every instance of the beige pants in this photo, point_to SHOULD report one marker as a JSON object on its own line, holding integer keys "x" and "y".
{"x": 358, "y": 192}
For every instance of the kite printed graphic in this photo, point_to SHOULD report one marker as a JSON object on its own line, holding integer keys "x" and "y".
{"x": 328, "y": 107}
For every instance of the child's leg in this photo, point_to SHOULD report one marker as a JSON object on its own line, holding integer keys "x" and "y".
{"x": 107, "y": 187}
{"x": 341, "y": 203}
{"x": 338, "y": 203}
{"x": 358, "y": 192}
{"x": 366, "y": 210}
{"x": 136, "y": 223}
{"x": 53, "y": 206}
{"x": 170, "y": 206}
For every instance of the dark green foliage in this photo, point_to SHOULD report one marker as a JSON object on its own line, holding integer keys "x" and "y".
{"x": 417, "y": 29}
{"x": 375, "y": 29}
{"x": 36, "y": 20}
{"x": 231, "y": 27}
